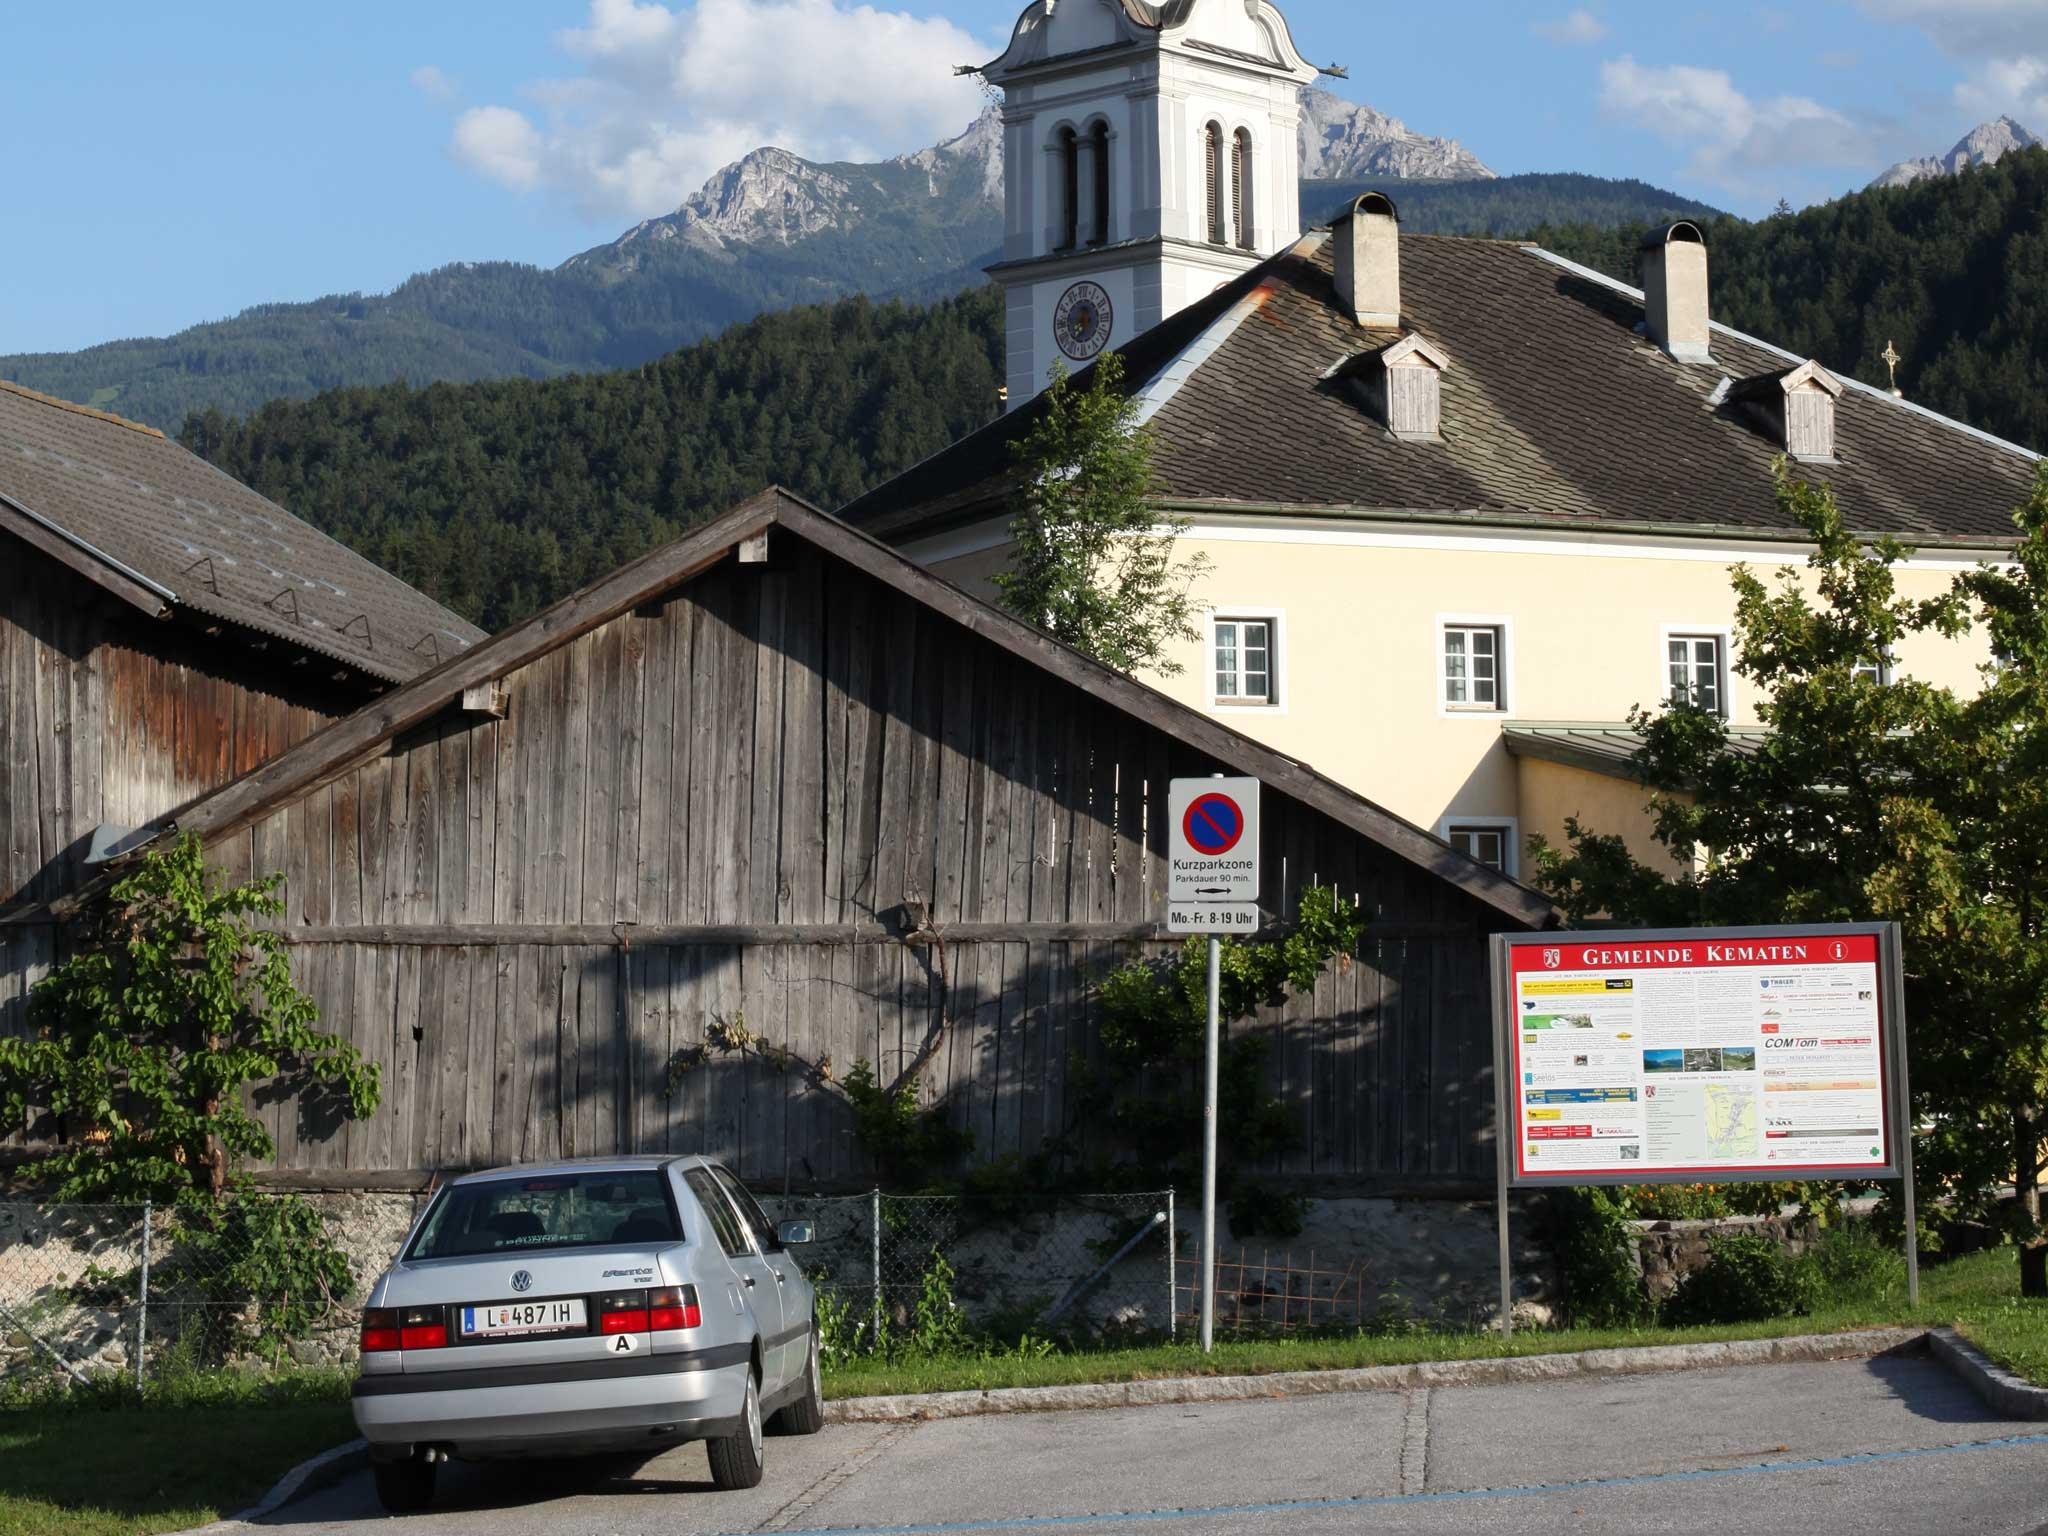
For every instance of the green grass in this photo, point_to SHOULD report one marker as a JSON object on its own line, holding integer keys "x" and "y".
{"x": 100, "y": 1463}
{"x": 1979, "y": 1293}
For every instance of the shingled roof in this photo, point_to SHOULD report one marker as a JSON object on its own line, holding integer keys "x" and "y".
{"x": 162, "y": 528}
{"x": 1557, "y": 412}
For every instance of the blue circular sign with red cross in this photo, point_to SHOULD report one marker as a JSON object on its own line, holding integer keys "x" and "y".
{"x": 1213, "y": 824}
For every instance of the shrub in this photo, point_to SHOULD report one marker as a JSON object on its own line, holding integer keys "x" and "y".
{"x": 1747, "y": 1278}
{"x": 1852, "y": 1264}
{"x": 1596, "y": 1249}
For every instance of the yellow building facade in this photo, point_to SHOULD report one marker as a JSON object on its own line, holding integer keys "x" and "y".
{"x": 1360, "y": 618}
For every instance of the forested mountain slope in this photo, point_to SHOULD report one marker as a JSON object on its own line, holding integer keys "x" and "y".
{"x": 919, "y": 227}
{"x": 498, "y": 497}
{"x": 1952, "y": 270}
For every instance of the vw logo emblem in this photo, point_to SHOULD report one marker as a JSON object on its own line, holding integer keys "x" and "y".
{"x": 521, "y": 1281}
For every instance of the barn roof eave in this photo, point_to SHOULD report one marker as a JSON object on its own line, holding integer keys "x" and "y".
{"x": 327, "y": 754}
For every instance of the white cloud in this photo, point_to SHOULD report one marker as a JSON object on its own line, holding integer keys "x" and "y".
{"x": 1735, "y": 139}
{"x": 2017, "y": 87}
{"x": 663, "y": 96}
{"x": 1972, "y": 28}
{"x": 2004, "y": 43}
{"x": 1578, "y": 29}
{"x": 499, "y": 143}
{"x": 430, "y": 81}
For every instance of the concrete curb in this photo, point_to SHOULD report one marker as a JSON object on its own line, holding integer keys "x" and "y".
{"x": 1377, "y": 1378}
{"x": 329, "y": 1467}
{"x": 2009, "y": 1394}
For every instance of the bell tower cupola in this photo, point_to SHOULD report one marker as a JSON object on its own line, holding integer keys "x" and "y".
{"x": 1149, "y": 156}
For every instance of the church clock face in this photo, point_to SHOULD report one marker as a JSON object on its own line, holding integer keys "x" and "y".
{"x": 1081, "y": 322}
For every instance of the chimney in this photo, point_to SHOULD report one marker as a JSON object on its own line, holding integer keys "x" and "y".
{"x": 1675, "y": 292}
{"x": 1368, "y": 251}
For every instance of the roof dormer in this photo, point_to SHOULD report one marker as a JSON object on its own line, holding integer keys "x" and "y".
{"x": 1401, "y": 385}
{"x": 1796, "y": 408}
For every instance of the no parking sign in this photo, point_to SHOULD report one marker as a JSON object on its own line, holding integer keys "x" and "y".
{"x": 1212, "y": 858}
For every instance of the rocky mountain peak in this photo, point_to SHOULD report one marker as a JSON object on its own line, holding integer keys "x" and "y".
{"x": 1342, "y": 141}
{"x": 1985, "y": 144}
{"x": 980, "y": 145}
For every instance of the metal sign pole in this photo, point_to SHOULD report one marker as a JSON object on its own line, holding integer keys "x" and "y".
{"x": 1895, "y": 1025}
{"x": 1503, "y": 1124}
{"x": 1209, "y": 1053}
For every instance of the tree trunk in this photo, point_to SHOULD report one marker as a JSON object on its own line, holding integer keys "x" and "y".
{"x": 2027, "y": 1184}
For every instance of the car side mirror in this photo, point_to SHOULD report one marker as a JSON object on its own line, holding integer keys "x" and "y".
{"x": 794, "y": 1232}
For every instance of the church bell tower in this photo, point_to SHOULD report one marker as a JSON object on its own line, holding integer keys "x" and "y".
{"x": 1150, "y": 156}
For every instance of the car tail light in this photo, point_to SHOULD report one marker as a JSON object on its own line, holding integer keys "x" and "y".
{"x": 645, "y": 1311}
{"x": 672, "y": 1309}
{"x": 380, "y": 1330}
{"x": 625, "y": 1313}
{"x": 422, "y": 1328}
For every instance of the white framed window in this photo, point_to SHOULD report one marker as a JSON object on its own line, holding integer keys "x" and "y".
{"x": 1696, "y": 669}
{"x": 1473, "y": 675}
{"x": 1247, "y": 654}
{"x": 1490, "y": 840}
{"x": 1879, "y": 671}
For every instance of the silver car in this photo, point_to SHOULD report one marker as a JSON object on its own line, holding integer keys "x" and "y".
{"x": 601, "y": 1305}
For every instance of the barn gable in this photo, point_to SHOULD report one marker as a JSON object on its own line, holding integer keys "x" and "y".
{"x": 775, "y": 776}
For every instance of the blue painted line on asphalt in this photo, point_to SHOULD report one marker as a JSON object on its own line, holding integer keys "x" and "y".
{"x": 1370, "y": 1500}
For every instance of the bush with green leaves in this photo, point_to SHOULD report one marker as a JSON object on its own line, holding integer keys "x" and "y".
{"x": 1747, "y": 1278}
{"x": 134, "y": 1085}
{"x": 172, "y": 1003}
{"x": 1594, "y": 1237}
{"x": 1142, "y": 1094}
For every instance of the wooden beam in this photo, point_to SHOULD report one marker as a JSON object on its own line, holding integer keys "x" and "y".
{"x": 684, "y": 936}
{"x": 40, "y": 534}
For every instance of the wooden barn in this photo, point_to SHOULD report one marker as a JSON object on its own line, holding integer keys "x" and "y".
{"x": 775, "y": 780}
{"x": 163, "y": 630}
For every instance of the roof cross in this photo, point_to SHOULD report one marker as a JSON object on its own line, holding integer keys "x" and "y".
{"x": 1892, "y": 360}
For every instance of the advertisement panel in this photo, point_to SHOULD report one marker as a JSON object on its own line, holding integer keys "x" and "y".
{"x": 1700, "y": 1056}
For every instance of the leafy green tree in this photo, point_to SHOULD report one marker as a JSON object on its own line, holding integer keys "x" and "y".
{"x": 173, "y": 1003}
{"x": 1875, "y": 796}
{"x": 1143, "y": 1089}
{"x": 1088, "y": 560}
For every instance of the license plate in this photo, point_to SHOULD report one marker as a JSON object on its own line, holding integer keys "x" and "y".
{"x": 508, "y": 1319}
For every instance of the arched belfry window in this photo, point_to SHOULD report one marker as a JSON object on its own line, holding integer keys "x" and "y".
{"x": 1213, "y": 166}
{"x": 1241, "y": 188}
{"x": 1100, "y": 141}
{"x": 1070, "y": 189}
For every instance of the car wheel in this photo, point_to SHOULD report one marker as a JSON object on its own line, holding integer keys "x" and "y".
{"x": 736, "y": 1458}
{"x": 805, "y": 1416}
{"x": 404, "y": 1487}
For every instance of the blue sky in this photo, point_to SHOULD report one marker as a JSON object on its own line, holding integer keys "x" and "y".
{"x": 169, "y": 165}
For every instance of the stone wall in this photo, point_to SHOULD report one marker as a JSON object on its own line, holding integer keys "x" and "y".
{"x": 1671, "y": 1250}
{"x": 67, "y": 1275}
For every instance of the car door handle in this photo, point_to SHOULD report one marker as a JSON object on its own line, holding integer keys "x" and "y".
{"x": 749, "y": 1280}
{"x": 781, "y": 1278}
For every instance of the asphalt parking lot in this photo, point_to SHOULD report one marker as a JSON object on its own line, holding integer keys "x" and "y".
{"x": 1894, "y": 1444}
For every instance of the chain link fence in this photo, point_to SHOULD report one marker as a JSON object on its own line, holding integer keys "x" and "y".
{"x": 132, "y": 1290}
{"x": 135, "y": 1290}
{"x": 1070, "y": 1265}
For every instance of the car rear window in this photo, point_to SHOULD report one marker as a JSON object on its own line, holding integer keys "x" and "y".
{"x": 548, "y": 1211}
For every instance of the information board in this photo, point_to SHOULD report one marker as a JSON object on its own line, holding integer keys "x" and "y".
{"x": 1700, "y": 1056}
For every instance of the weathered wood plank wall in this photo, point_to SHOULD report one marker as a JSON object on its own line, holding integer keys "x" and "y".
{"x": 509, "y": 914}
{"x": 109, "y": 716}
